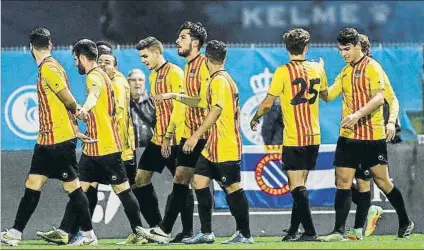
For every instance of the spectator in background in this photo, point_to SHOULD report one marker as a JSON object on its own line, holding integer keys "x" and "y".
{"x": 142, "y": 110}
{"x": 273, "y": 126}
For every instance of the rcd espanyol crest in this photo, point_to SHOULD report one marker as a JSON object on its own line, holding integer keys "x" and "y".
{"x": 260, "y": 85}
{"x": 21, "y": 112}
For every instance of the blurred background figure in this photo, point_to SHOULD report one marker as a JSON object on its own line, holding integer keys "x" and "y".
{"x": 142, "y": 110}
{"x": 273, "y": 126}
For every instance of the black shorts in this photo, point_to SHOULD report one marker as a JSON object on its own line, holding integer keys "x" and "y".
{"x": 297, "y": 158}
{"x": 107, "y": 169}
{"x": 152, "y": 159}
{"x": 190, "y": 159}
{"x": 56, "y": 161}
{"x": 363, "y": 174}
{"x": 225, "y": 173}
{"x": 131, "y": 170}
{"x": 360, "y": 154}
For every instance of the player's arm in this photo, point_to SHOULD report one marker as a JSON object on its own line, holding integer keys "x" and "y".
{"x": 390, "y": 97}
{"x": 333, "y": 91}
{"x": 193, "y": 101}
{"x": 56, "y": 80}
{"x": 374, "y": 74}
{"x": 217, "y": 104}
{"x": 275, "y": 89}
{"x": 323, "y": 90}
{"x": 94, "y": 87}
{"x": 177, "y": 116}
{"x": 119, "y": 92}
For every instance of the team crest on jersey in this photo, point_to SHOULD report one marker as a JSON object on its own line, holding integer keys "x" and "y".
{"x": 269, "y": 175}
{"x": 160, "y": 78}
{"x": 259, "y": 84}
{"x": 192, "y": 73}
{"x": 357, "y": 73}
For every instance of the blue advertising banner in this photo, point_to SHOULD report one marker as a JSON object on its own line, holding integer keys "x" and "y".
{"x": 251, "y": 68}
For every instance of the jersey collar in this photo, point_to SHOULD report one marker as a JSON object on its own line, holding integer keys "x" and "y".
{"x": 163, "y": 65}
{"x": 44, "y": 60}
{"x": 353, "y": 65}
{"x": 92, "y": 70}
{"x": 194, "y": 58}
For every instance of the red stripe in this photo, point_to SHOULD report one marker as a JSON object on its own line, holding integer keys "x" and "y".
{"x": 236, "y": 111}
{"x": 354, "y": 100}
{"x": 368, "y": 96}
{"x": 291, "y": 74}
{"x": 48, "y": 118}
{"x": 307, "y": 106}
{"x": 196, "y": 87}
{"x": 363, "y": 100}
{"x": 116, "y": 134}
{"x": 300, "y": 108}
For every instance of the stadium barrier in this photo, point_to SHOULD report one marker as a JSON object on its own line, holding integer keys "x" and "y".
{"x": 269, "y": 214}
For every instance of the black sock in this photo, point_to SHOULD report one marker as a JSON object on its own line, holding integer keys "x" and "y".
{"x": 187, "y": 213}
{"x": 205, "y": 202}
{"x": 238, "y": 202}
{"x": 231, "y": 209}
{"x": 300, "y": 195}
{"x": 342, "y": 205}
{"x": 149, "y": 205}
{"x": 131, "y": 208}
{"x": 76, "y": 211}
{"x": 396, "y": 199}
{"x": 91, "y": 194}
{"x": 295, "y": 215}
{"x": 363, "y": 204}
{"x": 92, "y": 199}
{"x": 176, "y": 203}
{"x": 355, "y": 195}
{"x": 26, "y": 208}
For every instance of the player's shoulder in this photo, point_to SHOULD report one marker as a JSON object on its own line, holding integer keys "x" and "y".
{"x": 372, "y": 62}
{"x": 175, "y": 68}
{"x": 51, "y": 64}
{"x": 98, "y": 75}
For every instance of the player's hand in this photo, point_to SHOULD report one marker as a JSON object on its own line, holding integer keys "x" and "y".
{"x": 85, "y": 139}
{"x": 390, "y": 131}
{"x": 81, "y": 114}
{"x": 190, "y": 144}
{"x": 166, "y": 148}
{"x": 321, "y": 61}
{"x": 350, "y": 121}
{"x": 254, "y": 125}
{"x": 163, "y": 96}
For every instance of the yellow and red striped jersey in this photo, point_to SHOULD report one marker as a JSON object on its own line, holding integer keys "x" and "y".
{"x": 196, "y": 80}
{"x": 55, "y": 120}
{"x": 224, "y": 141}
{"x": 121, "y": 90}
{"x": 298, "y": 84}
{"x": 102, "y": 124}
{"x": 357, "y": 82}
{"x": 169, "y": 113}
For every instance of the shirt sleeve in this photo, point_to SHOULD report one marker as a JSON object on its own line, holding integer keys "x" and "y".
{"x": 375, "y": 75}
{"x": 119, "y": 91}
{"x": 177, "y": 116}
{"x": 324, "y": 80}
{"x": 336, "y": 88}
{"x": 94, "y": 81}
{"x": 218, "y": 88}
{"x": 277, "y": 83}
{"x": 390, "y": 97}
{"x": 54, "y": 77}
{"x": 204, "y": 84}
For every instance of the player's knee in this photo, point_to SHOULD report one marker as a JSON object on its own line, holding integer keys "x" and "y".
{"x": 71, "y": 186}
{"x": 384, "y": 184}
{"x": 233, "y": 188}
{"x": 200, "y": 182}
{"x": 121, "y": 187}
{"x": 143, "y": 178}
{"x": 363, "y": 185}
{"x": 343, "y": 182}
{"x": 34, "y": 183}
{"x": 183, "y": 175}
{"x": 85, "y": 185}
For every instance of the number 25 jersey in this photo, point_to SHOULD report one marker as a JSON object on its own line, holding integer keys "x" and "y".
{"x": 298, "y": 84}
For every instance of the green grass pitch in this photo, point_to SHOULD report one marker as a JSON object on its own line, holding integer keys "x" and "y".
{"x": 416, "y": 241}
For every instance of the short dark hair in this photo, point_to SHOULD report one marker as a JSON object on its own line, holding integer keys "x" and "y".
{"x": 296, "y": 40}
{"x": 40, "y": 38}
{"x": 216, "y": 51}
{"x": 365, "y": 44}
{"x": 197, "y": 31}
{"x": 149, "y": 42}
{"x": 348, "y": 36}
{"x": 87, "y": 48}
{"x": 104, "y": 47}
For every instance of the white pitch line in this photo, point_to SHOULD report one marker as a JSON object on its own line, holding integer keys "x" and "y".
{"x": 288, "y": 212}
